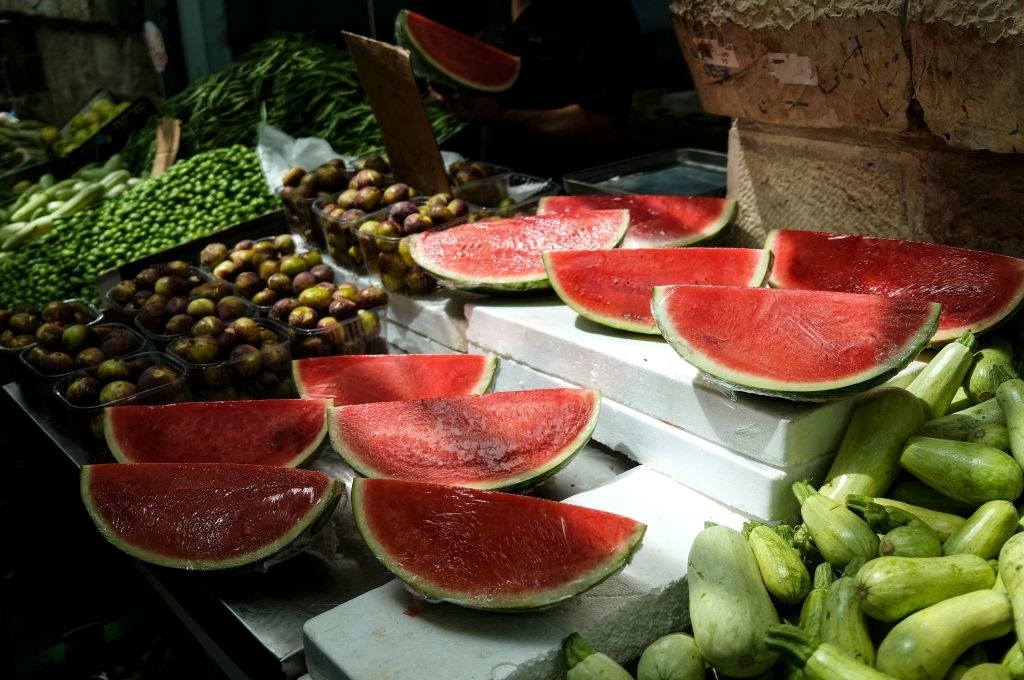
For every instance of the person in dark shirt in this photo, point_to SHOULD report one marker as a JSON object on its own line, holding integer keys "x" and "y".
{"x": 568, "y": 108}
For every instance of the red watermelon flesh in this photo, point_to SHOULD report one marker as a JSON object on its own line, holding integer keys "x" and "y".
{"x": 489, "y": 549}
{"x": 977, "y": 290}
{"x": 361, "y": 378}
{"x": 800, "y": 344}
{"x": 504, "y": 255}
{"x": 454, "y": 58}
{"x": 204, "y": 516}
{"x": 613, "y": 287}
{"x": 501, "y": 440}
{"x": 655, "y": 221}
{"x": 264, "y": 431}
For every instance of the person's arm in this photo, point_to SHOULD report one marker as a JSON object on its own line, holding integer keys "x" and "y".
{"x": 570, "y": 123}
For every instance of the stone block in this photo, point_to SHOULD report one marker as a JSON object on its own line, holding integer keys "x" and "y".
{"x": 968, "y": 71}
{"x": 834, "y": 65}
{"x": 910, "y": 186}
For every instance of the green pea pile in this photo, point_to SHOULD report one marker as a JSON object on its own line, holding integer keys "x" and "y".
{"x": 194, "y": 197}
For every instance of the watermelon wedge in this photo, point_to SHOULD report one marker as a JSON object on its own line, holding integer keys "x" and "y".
{"x": 655, "y": 221}
{"x": 447, "y": 56}
{"x": 502, "y": 440}
{"x": 205, "y": 516}
{"x": 798, "y": 344}
{"x": 504, "y": 255}
{"x": 266, "y": 431}
{"x": 613, "y": 287}
{"x": 361, "y": 378}
{"x": 978, "y": 290}
{"x": 488, "y": 549}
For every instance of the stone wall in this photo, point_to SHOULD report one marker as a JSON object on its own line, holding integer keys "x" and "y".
{"x": 895, "y": 118}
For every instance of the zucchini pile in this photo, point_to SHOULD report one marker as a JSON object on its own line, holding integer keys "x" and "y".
{"x": 41, "y": 205}
{"x": 906, "y": 562}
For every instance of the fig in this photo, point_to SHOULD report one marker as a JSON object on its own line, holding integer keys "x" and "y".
{"x": 346, "y": 290}
{"x": 248, "y": 331}
{"x": 346, "y": 200}
{"x": 246, "y": 361}
{"x": 146, "y": 278}
{"x": 419, "y": 282}
{"x": 247, "y": 283}
{"x": 19, "y": 341}
{"x": 284, "y": 244}
{"x": 24, "y": 322}
{"x": 276, "y": 357}
{"x": 322, "y": 272}
{"x": 113, "y": 369}
{"x": 212, "y": 254}
{"x": 176, "y": 305}
{"x": 35, "y": 355}
{"x": 49, "y": 333}
{"x": 76, "y": 337}
{"x": 342, "y": 308}
{"x": 316, "y": 298}
{"x": 399, "y": 211}
{"x": 169, "y": 285}
{"x": 83, "y": 391}
{"x": 90, "y": 356}
{"x": 123, "y": 291}
{"x": 226, "y": 270}
{"x": 59, "y": 311}
{"x": 393, "y": 193}
{"x": 200, "y": 307}
{"x": 157, "y": 376}
{"x": 292, "y": 265}
{"x": 458, "y": 208}
{"x": 367, "y": 198}
{"x": 292, "y": 176}
{"x": 302, "y": 281}
{"x": 269, "y": 268}
{"x": 264, "y": 297}
{"x": 227, "y": 340}
{"x": 208, "y": 325}
{"x": 178, "y": 324}
{"x": 282, "y": 308}
{"x": 55, "y": 363}
{"x": 312, "y": 258}
{"x": 117, "y": 390}
{"x": 280, "y": 283}
{"x": 231, "y": 307}
{"x": 118, "y": 342}
{"x": 311, "y": 346}
{"x": 330, "y": 177}
{"x": 203, "y": 349}
{"x": 416, "y": 223}
{"x": 370, "y": 297}
{"x": 366, "y": 177}
{"x": 303, "y": 317}
{"x": 439, "y": 214}
{"x": 369, "y": 322}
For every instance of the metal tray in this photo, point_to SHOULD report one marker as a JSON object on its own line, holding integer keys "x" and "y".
{"x": 681, "y": 172}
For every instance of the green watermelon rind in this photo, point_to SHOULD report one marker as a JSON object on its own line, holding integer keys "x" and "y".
{"x": 300, "y": 458}
{"x": 520, "y": 482}
{"x": 950, "y": 333}
{"x": 308, "y": 525}
{"x": 573, "y": 302}
{"x": 793, "y": 391}
{"x": 519, "y": 603}
{"x": 432, "y": 70}
{"x": 501, "y": 285}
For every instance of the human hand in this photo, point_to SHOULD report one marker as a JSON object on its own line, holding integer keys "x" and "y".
{"x": 464, "y": 105}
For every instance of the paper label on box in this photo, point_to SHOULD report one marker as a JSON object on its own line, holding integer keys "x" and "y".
{"x": 792, "y": 69}
{"x": 715, "y": 54}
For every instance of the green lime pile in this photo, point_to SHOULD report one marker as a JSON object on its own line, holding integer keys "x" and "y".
{"x": 194, "y": 197}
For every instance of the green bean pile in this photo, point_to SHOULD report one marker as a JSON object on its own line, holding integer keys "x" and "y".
{"x": 194, "y": 197}
{"x": 304, "y": 87}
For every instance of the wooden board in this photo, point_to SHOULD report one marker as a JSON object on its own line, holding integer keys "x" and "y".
{"x": 387, "y": 78}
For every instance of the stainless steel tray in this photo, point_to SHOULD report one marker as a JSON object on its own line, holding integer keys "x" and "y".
{"x": 680, "y": 172}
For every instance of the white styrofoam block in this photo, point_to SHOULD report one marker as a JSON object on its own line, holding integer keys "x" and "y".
{"x": 740, "y": 482}
{"x": 404, "y": 340}
{"x": 438, "y": 316}
{"x": 645, "y": 373}
{"x": 380, "y": 635}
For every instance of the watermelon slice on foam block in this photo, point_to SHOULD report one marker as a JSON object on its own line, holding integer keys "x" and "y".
{"x": 501, "y": 440}
{"x": 504, "y": 255}
{"x": 489, "y": 549}
{"x": 978, "y": 290}
{"x": 206, "y": 516}
{"x": 803, "y": 345}
{"x": 362, "y": 378}
{"x": 655, "y": 221}
{"x": 273, "y": 431}
{"x": 613, "y": 287}
{"x": 447, "y": 56}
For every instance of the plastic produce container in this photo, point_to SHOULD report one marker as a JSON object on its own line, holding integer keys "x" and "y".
{"x": 506, "y": 190}
{"x": 222, "y": 370}
{"x": 113, "y": 340}
{"x": 365, "y": 333}
{"x": 121, "y": 307}
{"x": 298, "y": 211}
{"x": 339, "y": 240}
{"x": 152, "y": 377}
{"x": 165, "y": 328}
{"x": 13, "y": 342}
